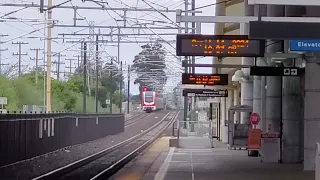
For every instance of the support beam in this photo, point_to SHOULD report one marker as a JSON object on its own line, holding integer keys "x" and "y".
{"x": 244, "y": 19}
{"x": 286, "y": 2}
{"x": 114, "y": 27}
{"x": 92, "y": 8}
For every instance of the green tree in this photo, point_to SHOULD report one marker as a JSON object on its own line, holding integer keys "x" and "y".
{"x": 149, "y": 64}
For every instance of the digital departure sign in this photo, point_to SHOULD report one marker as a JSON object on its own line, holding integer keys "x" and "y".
{"x": 205, "y": 79}
{"x": 219, "y": 45}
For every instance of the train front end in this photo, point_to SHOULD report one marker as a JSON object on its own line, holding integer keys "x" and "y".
{"x": 149, "y": 101}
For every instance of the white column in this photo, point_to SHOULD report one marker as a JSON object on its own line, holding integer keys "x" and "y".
{"x": 223, "y": 107}
{"x": 224, "y": 127}
{"x": 236, "y": 101}
{"x": 257, "y": 97}
{"x": 246, "y": 85}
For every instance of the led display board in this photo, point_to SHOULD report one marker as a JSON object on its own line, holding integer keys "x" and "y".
{"x": 205, "y": 79}
{"x": 219, "y": 45}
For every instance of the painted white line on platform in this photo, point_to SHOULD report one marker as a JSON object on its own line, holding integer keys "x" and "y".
{"x": 164, "y": 167}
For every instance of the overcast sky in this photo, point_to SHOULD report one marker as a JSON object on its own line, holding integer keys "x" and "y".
{"x": 22, "y": 28}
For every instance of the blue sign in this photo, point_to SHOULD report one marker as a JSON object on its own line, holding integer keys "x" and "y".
{"x": 304, "y": 45}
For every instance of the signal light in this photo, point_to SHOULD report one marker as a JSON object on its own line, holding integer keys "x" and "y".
{"x": 145, "y": 89}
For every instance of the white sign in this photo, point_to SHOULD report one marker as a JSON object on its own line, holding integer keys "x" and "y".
{"x": 191, "y": 94}
{"x": 3, "y": 100}
{"x": 270, "y": 147}
{"x": 107, "y": 101}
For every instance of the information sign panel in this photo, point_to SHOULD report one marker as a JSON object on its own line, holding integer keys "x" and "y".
{"x": 205, "y": 93}
{"x": 270, "y": 147}
{"x": 107, "y": 101}
{"x": 3, "y": 100}
{"x": 274, "y": 71}
{"x": 305, "y": 45}
{"x": 205, "y": 79}
{"x": 219, "y": 45}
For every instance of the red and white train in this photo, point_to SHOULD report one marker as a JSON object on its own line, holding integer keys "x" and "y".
{"x": 152, "y": 101}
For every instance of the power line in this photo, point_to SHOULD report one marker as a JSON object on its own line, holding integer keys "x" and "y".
{"x": 20, "y": 54}
{"x": 36, "y": 58}
{"x": 1, "y": 50}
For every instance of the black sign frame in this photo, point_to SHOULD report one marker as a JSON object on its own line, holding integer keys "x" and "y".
{"x": 205, "y": 92}
{"x": 275, "y": 71}
{"x": 224, "y": 79}
{"x": 181, "y": 37}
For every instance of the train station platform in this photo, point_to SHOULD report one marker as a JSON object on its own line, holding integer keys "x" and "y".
{"x": 161, "y": 162}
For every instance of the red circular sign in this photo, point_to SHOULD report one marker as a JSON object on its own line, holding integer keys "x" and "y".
{"x": 254, "y": 118}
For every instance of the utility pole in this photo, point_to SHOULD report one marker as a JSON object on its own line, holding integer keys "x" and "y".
{"x": 50, "y": 24}
{"x": 37, "y": 61}
{"x": 118, "y": 57}
{"x": 70, "y": 67}
{"x": 78, "y": 59}
{"x": 1, "y": 50}
{"x": 58, "y": 63}
{"x": 128, "y": 106}
{"x": 20, "y": 54}
{"x": 84, "y": 77}
{"x": 97, "y": 73}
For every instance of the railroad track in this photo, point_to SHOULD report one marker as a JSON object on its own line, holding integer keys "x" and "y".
{"x": 135, "y": 119}
{"x": 106, "y": 163}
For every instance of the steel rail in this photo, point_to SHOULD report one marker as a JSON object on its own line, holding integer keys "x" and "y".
{"x": 110, "y": 171}
{"x": 84, "y": 161}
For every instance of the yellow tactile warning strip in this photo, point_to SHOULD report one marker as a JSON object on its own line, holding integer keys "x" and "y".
{"x": 137, "y": 169}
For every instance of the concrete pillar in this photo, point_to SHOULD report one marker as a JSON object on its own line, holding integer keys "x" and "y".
{"x": 274, "y": 86}
{"x": 311, "y": 103}
{"x": 257, "y": 97}
{"x": 223, "y": 108}
{"x": 291, "y": 113}
{"x": 227, "y": 103}
{"x": 257, "y": 102}
{"x": 311, "y": 112}
{"x": 219, "y": 28}
{"x": 246, "y": 85}
{"x": 291, "y": 119}
{"x": 236, "y": 101}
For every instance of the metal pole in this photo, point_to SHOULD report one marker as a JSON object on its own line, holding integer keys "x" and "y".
{"x": 97, "y": 73}
{"x": 185, "y": 106}
{"x": 19, "y": 59}
{"x": 128, "y": 90}
{"x": 58, "y": 66}
{"x": 37, "y": 58}
{"x": 85, "y": 77}
{"x": 48, "y": 98}
{"x": 111, "y": 94}
{"x": 118, "y": 56}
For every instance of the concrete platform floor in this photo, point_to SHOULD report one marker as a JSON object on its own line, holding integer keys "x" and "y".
{"x": 163, "y": 163}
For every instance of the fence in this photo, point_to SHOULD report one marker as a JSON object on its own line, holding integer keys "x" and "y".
{"x": 23, "y": 136}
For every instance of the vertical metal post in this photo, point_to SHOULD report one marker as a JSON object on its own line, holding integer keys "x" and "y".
{"x": 84, "y": 77}
{"x": 19, "y": 59}
{"x": 48, "y": 98}
{"x": 37, "y": 58}
{"x": 97, "y": 73}
{"x": 128, "y": 90}
{"x": 185, "y": 105}
{"x": 118, "y": 57}
{"x": 58, "y": 66}
{"x": 111, "y": 90}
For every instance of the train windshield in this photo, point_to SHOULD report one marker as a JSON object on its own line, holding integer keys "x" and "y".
{"x": 148, "y": 97}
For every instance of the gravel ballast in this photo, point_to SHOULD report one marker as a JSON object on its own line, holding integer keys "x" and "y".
{"x": 38, "y": 166}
